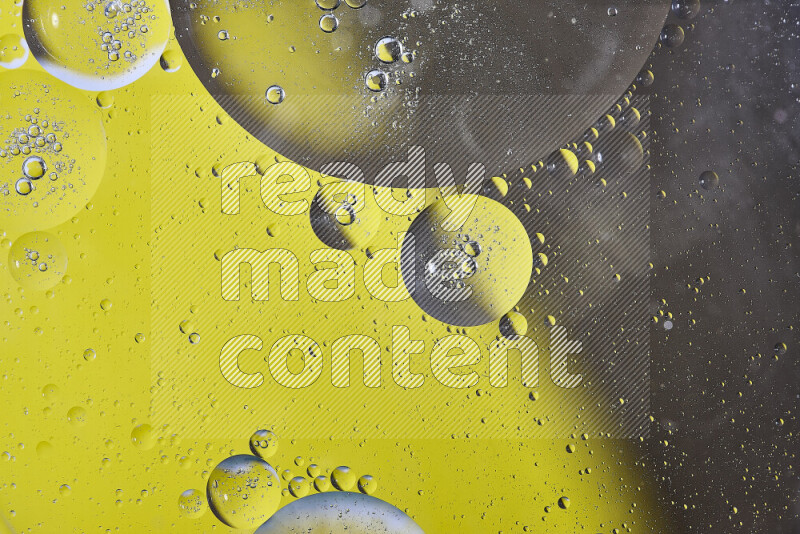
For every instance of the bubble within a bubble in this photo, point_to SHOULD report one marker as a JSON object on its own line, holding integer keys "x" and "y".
{"x": 376, "y": 80}
{"x": 23, "y": 186}
{"x": 388, "y": 50}
{"x": 83, "y": 43}
{"x": 264, "y": 443}
{"x": 451, "y": 285}
{"x": 243, "y": 491}
{"x": 343, "y": 478}
{"x": 37, "y": 260}
{"x": 708, "y": 180}
{"x": 34, "y": 167}
{"x": 328, "y": 23}
{"x": 191, "y": 503}
{"x": 275, "y": 94}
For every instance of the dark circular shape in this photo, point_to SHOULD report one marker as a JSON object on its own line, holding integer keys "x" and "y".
{"x": 709, "y": 180}
{"x": 502, "y": 83}
{"x": 672, "y": 35}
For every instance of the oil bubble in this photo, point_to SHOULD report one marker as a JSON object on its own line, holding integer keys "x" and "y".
{"x": 341, "y": 219}
{"x": 343, "y": 478}
{"x": 686, "y": 9}
{"x": 672, "y": 35}
{"x": 298, "y": 487}
{"x": 46, "y": 127}
{"x": 191, "y": 503}
{"x": 328, "y": 23}
{"x": 37, "y": 261}
{"x": 97, "y": 44}
{"x": 356, "y": 4}
{"x": 709, "y": 180}
{"x": 275, "y": 94}
{"x": 367, "y": 484}
{"x": 339, "y": 512}
{"x": 388, "y": 50}
{"x": 264, "y": 443}
{"x": 376, "y": 80}
{"x": 171, "y": 60}
{"x": 513, "y": 325}
{"x": 328, "y": 4}
{"x": 142, "y": 437}
{"x": 243, "y": 491}
{"x": 458, "y": 288}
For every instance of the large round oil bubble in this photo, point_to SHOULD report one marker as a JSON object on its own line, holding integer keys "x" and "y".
{"x": 37, "y": 260}
{"x": 13, "y": 51}
{"x": 468, "y": 268}
{"x": 243, "y": 491}
{"x": 339, "y": 513}
{"x": 52, "y": 151}
{"x": 264, "y": 443}
{"x": 567, "y": 63}
{"x": 341, "y": 219}
{"x": 97, "y": 44}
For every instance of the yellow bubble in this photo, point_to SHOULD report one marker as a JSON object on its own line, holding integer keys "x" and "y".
{"x": 77, "y": 416}
{"x": 243, "y": 491}
{"x": 343, "y": 478}
{"x": 264, "y": 443}
{"x": 192, "y": 503}
{"x": 367, "y": 484}
{"x": 95, "y": 45}
{"x": 37, "y": 261}
{"x": 142, "y": 437}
